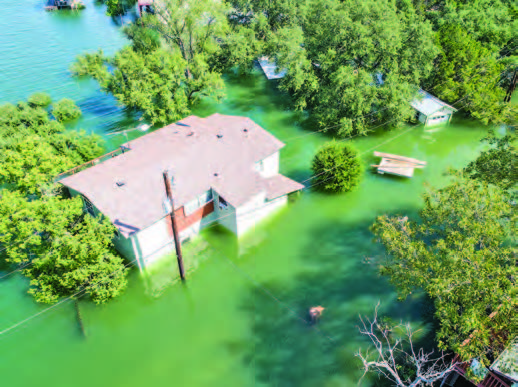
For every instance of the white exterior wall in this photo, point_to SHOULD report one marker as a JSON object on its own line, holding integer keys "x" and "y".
{"x": 433, "y": 119}
{"x": 440, "y": 117}
{"x": 254, "y": 211}
{"x": 269, "y": 166}
{"x": 226, "y": 217}
{"x": 155, "y": 241}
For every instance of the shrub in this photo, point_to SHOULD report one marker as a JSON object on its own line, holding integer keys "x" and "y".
{"x": 66, "y": 110}
{"x": 337, "y": 168}
{"x": 39, "y": 100}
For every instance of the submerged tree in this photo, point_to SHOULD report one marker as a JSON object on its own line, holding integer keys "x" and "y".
{"x": 66, "y": 110}
{"x": 35, "y": 148}
{"x": 462, "y": 254}
{"x": 336, "y": 168}
{"x": 497, "y": 165}
{"x": 468, "y": 74}
{"x": 165, "y": 80}
{"x": 42, "y": 231}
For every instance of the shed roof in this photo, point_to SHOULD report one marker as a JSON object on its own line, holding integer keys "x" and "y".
{"x": 428, "y": 104}
{"x": 200, "y": 153}
{"x": 270, "y": 69}
{"x": 507, "y": 363}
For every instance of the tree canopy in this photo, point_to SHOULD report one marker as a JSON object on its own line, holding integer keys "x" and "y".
{"x": 462, "y": 253}
{"x": 35, "y": 148}
{"x": 61, "y": 249}
{"x": 336, "y": 168}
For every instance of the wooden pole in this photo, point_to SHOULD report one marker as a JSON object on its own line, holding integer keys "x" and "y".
{"x": 512, "y": 86}
{"x": 174, "y": 226}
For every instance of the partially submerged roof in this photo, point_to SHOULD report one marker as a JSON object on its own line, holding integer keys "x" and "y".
{"x": 507, "y": 363}
{"x": 270, "y": 69}
{"x": 200, "y": 153}
{"x": 428, "y": 104}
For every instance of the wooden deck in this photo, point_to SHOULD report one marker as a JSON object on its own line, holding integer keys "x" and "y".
{"x": 397, "y": 165}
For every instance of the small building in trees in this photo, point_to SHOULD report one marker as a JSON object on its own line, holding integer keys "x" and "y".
{"x": 224, "y": 170}
{"x": 270, "y": 69}
{"x": 431, "y": 110}
{"x": 63, "y": 4}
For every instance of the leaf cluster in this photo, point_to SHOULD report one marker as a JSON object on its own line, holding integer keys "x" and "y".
{"x": 337, "y": 168}
{"x": 461, "y": 253}
{"x": 60, "y": 249}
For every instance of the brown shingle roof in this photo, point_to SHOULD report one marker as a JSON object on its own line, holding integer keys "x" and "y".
{"x": 218, "y": 151}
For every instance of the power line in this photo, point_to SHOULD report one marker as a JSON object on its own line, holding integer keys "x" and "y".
{"x": 59, "y": 302}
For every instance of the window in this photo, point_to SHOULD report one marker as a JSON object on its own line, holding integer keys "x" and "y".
{"x": 197, "y": 203}
{"x": 222, "y": 203}
{"x": 89, "y": 206}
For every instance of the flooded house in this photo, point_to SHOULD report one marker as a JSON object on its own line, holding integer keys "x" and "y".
{"x": 224, "y": 170}
{"x": 52, "y": 5}
{"x": 431, "y": 110}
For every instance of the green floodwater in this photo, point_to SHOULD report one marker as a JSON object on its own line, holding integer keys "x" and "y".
{"x": 239, "y": 320}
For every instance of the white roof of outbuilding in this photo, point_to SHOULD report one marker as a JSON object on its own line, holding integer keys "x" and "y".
{"x": 428, "y": 104}
{"x": 270, "y": 69}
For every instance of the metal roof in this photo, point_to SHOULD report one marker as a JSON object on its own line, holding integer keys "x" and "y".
{"x": 270, "y": 68}
{"x": 427, "y": 104}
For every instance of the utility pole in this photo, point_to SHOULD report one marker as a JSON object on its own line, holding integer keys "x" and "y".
{"x": 174, "y": 226}
{"x": 512, "y": 86}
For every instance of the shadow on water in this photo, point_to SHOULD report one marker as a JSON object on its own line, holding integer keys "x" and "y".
{"x": 287, "y": 350}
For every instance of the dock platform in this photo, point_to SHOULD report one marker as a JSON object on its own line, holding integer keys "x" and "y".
{"x": 397, "y": 165}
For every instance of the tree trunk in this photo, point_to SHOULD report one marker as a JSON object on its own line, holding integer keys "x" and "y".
{"x": 79, "y": 318}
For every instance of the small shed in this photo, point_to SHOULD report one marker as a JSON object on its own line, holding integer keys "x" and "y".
{"x": 270, "y": 69}
{"x": 431, "y": 110}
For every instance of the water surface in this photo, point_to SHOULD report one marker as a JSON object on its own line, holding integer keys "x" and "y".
{"x": 240, "y": 318}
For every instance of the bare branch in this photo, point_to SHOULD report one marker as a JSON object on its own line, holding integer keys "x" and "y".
{"x": 390, "y": 353}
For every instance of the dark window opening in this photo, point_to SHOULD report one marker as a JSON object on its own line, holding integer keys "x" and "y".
{"x": 89, "y": 206}
{"x": 222, "y": 203}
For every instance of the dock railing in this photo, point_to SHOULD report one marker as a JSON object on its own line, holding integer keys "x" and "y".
{"x": 91, "y": 163}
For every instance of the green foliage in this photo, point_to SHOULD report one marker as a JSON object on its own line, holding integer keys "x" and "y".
{"x": 355, "y": 65}
{"x": 26, "y": 225}
{"x": 63, "y": 250}
{"x": 467, "y": 72}
{"x": 490, "y": 22}
{"x": 82, "y": 258}
{"x": 67, "y": 250}
{"x": 462, "y": 254}
{"x": 142, "y": 39}
{"x": 66, "y": 110}
{"x": 39, "y": 100}
{"x": 34, "y": 148}
{"x": 337, "y": 168}
{"x": 159, "y": 83}
{"x": 498, "y": 164}
{"x": 31, "y": 164}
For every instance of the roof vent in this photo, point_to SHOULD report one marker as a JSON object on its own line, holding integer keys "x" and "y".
{"x": 190, "y": 134}
{"x": 245, "y": 130}
{"x": 120, "y": 183}
{"x": 216, "y": 174}
{"x": 219, "y": 135}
